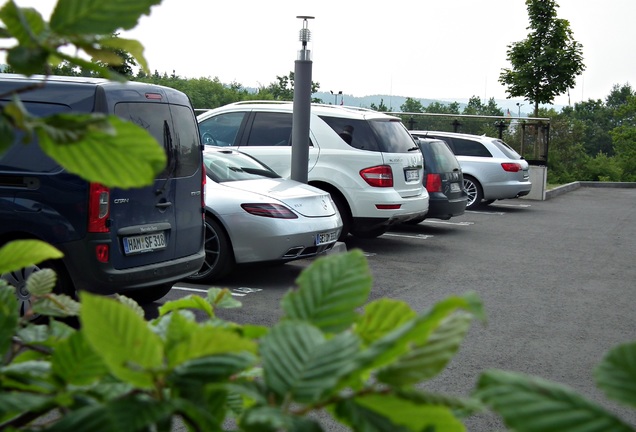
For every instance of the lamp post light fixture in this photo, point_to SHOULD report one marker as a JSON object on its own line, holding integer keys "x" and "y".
{"x": 335, "y": 95}
{"x": 519, "y": 105}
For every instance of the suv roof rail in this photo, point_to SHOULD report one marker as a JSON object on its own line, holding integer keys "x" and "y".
{"x": 245, "y": 102}
{"x": 350, "y": 107}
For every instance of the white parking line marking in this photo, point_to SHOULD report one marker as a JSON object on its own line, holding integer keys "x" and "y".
{"x": 513, "y": 205}
{"x": 237, "y": 294}
{"x": 417, "y": 236}
{"x": 443, "y": 222}
{"x": 485, "y": 212}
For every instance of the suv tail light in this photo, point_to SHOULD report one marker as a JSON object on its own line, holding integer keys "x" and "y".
{"x": 433, "y": 183}
{"x": 98, "y": 208}
{"x": 269, "y": 210}
{"x": 511, "y": 166}
{"x": 378, "y": 176}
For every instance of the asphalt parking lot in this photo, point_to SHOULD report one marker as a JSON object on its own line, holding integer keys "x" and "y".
{"x": 556, "y": 278}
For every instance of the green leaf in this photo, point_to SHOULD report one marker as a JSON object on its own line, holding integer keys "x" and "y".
{"x": 97, "y": 16}
{"x": 329, "y": 291}
{"x": 56, "y": 305}
{"x": 382, "y": 316}
{"x": 222, "y": 298}
{"x": 76, "y": 363}
{"x": 41, "y": 282}
{"x": 14, "y": 403}
{"x": 299, "y": 361}
{"x": 131, "y": 304}
{"x": 387, "y": 412}
{"x": 122, "y": 338}
{"x": 206, "y": 340}
{"x": 129, "y": 414}
{"x": 9, "y": 318}
{"x": 131, "y": 46}
{"x": 529, "y": 404}
{"x": 616, "y": 375}
{"x": 24, "y": 24}
{"x": 121, "y": 154}
{"x": 188, "y": 302}
{"x": 416, "y": 331}
{"x": 363, "y": 419}
{"x": 32, "y": 376}
{"x": 265, "y": 419}
{"x": 211, "y": 369}
{"x": 426, "y": 360}
{"x": 24, "y": 253}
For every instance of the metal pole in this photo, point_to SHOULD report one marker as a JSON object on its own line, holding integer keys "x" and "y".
{"x": 302, "y": 108}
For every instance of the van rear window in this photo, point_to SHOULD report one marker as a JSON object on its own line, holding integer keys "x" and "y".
{"x": 174, "y": 127}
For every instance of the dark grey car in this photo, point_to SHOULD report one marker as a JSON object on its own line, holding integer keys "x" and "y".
{"x": 443, "y": 180}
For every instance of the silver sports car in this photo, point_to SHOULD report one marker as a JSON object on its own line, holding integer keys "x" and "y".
{"x": 255, "y": 216}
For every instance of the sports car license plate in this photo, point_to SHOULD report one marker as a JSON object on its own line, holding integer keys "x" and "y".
{"x": 325, "y": 238}
{"x": 455, "y": 187}
{"x": 411, "y": 175}
{"x": 144, "y": 243}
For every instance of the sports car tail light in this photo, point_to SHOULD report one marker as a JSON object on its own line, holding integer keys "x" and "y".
{"x": 98, "y": 208}
{"x": 269, "y": 210}
{"x": 433, "y": 183}
{"x": 378, "y": 176}
{"x": 511, "y": 166}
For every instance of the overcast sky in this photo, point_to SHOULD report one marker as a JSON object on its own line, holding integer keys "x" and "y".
{"x": 450, "y": 49}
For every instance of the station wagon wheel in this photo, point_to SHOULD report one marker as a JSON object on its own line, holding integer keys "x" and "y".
{"x": 474, "y": 192}
{"x": 219, "y": 259}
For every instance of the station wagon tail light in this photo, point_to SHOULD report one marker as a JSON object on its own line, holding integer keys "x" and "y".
{"x": 98, "y": 208}
{"x": 433, "y": 183}
{"x": 378, "y": 176}
{"x": 269, "y": 210}
{"x": 511, "y": 166}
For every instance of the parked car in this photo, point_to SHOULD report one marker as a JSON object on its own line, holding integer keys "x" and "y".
{"x": 492, "y": 169}
{"x": 137, "y": 242}
{"x": 366, "y": 160}
{"x": 443, "y": 180}
{"x": 255, "y": 216}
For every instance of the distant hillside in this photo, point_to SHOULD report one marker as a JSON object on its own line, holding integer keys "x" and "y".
{"x": 395, "y": 102}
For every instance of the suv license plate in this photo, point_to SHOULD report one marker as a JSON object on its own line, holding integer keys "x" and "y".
{"x": 144, "y": 243}
{"x": 411, "y": 175}
{"x": 325, "y": 238}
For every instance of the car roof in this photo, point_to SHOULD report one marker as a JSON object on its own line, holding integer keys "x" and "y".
{"x": 316, "y": 108}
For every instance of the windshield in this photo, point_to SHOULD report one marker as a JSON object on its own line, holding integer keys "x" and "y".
{"x": 224, "y": 166}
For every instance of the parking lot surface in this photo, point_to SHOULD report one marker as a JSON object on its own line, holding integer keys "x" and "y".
{"x": 556, "y": 278}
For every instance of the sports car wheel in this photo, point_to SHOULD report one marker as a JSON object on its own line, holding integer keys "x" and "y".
{"x": 219, "y": 259}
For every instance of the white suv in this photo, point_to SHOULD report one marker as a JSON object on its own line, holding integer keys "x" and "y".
{"x": 366, "y": 160}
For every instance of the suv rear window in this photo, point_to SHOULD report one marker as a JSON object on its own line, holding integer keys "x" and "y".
{"x": 388, "y": 136}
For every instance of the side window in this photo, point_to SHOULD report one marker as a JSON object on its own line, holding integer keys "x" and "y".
{"x": 29, "y": 157}
{"x": 221, "y": 130}
{"x": 356, "y": 133}
{"x": 464, "y": 147}
{"x": 271, "y": 129}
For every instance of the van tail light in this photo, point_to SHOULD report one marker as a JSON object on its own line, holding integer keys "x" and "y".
{"x": 269, "y": 210}
{"x": 511, "y": 166}
{"x": 102, "y": 252}
{"x": 433, "y": 183}
{"x": 98, "y": 208}
{"x": 378, "y": 176}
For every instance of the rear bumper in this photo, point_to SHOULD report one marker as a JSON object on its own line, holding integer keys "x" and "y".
{"x": 101, "y": 278}
{"x": 440, "y": 207}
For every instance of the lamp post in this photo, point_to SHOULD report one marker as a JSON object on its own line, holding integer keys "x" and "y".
{"x": 519, "y": 105}
{"x": 335, "y": 95}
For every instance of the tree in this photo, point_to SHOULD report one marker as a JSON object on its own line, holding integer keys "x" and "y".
{"x": 284, "y": 88}
{"x": 411, "y": 105}
{"x": 381, "y": 107}
{"x": 546, "y": 63}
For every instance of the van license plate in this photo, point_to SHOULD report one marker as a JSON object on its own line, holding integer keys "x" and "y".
{"x": 325, "y": 238}
{"x": 412, "y": 175}
{"x": 144, "y": 243}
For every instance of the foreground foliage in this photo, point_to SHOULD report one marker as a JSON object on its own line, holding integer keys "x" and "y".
{"x": 332, "y": 354}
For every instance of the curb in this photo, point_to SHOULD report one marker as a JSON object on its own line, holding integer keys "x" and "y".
{"x": 551, "y": 193}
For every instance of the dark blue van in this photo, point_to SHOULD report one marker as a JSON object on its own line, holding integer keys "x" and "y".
{"x": 137, "y": 242}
